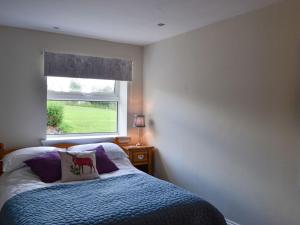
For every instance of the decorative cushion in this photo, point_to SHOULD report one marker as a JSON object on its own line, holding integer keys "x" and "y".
{"x": 78, "y": 166}
{"x": 46, "y": 166}
{"x": 103, "y": 163}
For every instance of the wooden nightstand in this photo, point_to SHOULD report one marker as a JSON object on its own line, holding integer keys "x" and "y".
{"x": 141, "y": 157}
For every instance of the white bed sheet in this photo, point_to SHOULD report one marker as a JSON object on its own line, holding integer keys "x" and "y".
{"x": 24, "y": 179}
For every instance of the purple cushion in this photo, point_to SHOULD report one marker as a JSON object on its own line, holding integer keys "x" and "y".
{"x": 103, "y": 163}
{"x": 46, "y": 166}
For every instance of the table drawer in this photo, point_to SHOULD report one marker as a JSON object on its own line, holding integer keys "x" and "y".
{"x": 140, "y": 157}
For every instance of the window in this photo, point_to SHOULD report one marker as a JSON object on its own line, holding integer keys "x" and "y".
{"x": 82, "y": 106}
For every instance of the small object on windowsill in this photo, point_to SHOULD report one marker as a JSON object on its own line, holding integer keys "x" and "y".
{"x": 139, "y": 122}
{"x": 141, "y": 157}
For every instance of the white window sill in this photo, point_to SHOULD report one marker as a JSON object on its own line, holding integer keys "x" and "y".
{"x": 78, "y": 139}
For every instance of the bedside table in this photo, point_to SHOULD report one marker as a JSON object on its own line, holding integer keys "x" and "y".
{"x": 141, "y": 157}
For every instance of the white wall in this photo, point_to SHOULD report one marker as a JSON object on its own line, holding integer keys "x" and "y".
{"x": 222, "y": 108}
{"x": 23, "y": 87}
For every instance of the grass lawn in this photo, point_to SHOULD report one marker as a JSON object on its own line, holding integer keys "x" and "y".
{"x": 83, "y": 119}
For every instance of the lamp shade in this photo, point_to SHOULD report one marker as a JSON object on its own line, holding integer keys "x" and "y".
{"x": 139, "y": 121}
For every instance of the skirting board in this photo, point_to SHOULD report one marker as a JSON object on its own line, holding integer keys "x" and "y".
{"x": 230, "y": 222}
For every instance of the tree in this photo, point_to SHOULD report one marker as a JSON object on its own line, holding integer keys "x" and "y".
{"x": 74, "y": 86}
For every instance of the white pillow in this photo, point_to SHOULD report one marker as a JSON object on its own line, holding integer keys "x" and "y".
{"x": 112, "y": 150}
{"x": 15, "y": 159}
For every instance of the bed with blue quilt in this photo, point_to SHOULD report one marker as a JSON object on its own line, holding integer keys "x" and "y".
{"x": 130, "y": 198}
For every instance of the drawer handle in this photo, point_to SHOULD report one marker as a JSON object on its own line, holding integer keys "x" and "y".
{"x": 140, "y": 157}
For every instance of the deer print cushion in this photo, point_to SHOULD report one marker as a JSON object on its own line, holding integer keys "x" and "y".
{"x": 78, "y": 166}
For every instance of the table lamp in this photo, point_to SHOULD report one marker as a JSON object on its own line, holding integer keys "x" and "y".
{"x": 139, "y": 122}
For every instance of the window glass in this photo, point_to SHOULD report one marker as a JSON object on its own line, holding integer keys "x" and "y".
{"x": 81, "y": 106}
{"x": 79, "y": 85}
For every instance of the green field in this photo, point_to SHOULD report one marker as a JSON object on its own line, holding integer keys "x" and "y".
{"x": 87, "y": 119}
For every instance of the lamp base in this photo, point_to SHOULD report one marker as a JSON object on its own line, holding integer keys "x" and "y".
{"x": 139, "y": 143}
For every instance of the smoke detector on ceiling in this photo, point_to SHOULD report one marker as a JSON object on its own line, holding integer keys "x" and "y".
{"x": 161, "y": 24}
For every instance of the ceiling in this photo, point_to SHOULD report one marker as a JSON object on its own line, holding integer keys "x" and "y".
{"x": 126, "y": 21}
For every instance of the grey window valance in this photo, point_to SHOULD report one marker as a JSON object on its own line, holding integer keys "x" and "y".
{"x": 78, "y": 66}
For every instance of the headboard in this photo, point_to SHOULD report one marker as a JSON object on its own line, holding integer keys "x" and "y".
{"x": 4, "y": 151}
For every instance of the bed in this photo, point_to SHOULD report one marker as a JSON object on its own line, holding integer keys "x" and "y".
{"x": 124, "y": 197}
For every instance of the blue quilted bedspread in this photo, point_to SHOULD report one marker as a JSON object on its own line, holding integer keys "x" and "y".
{"x": 134, "y": 199}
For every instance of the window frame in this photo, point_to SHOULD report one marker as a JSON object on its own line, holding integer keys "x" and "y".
{"x": 120, "y": 86}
